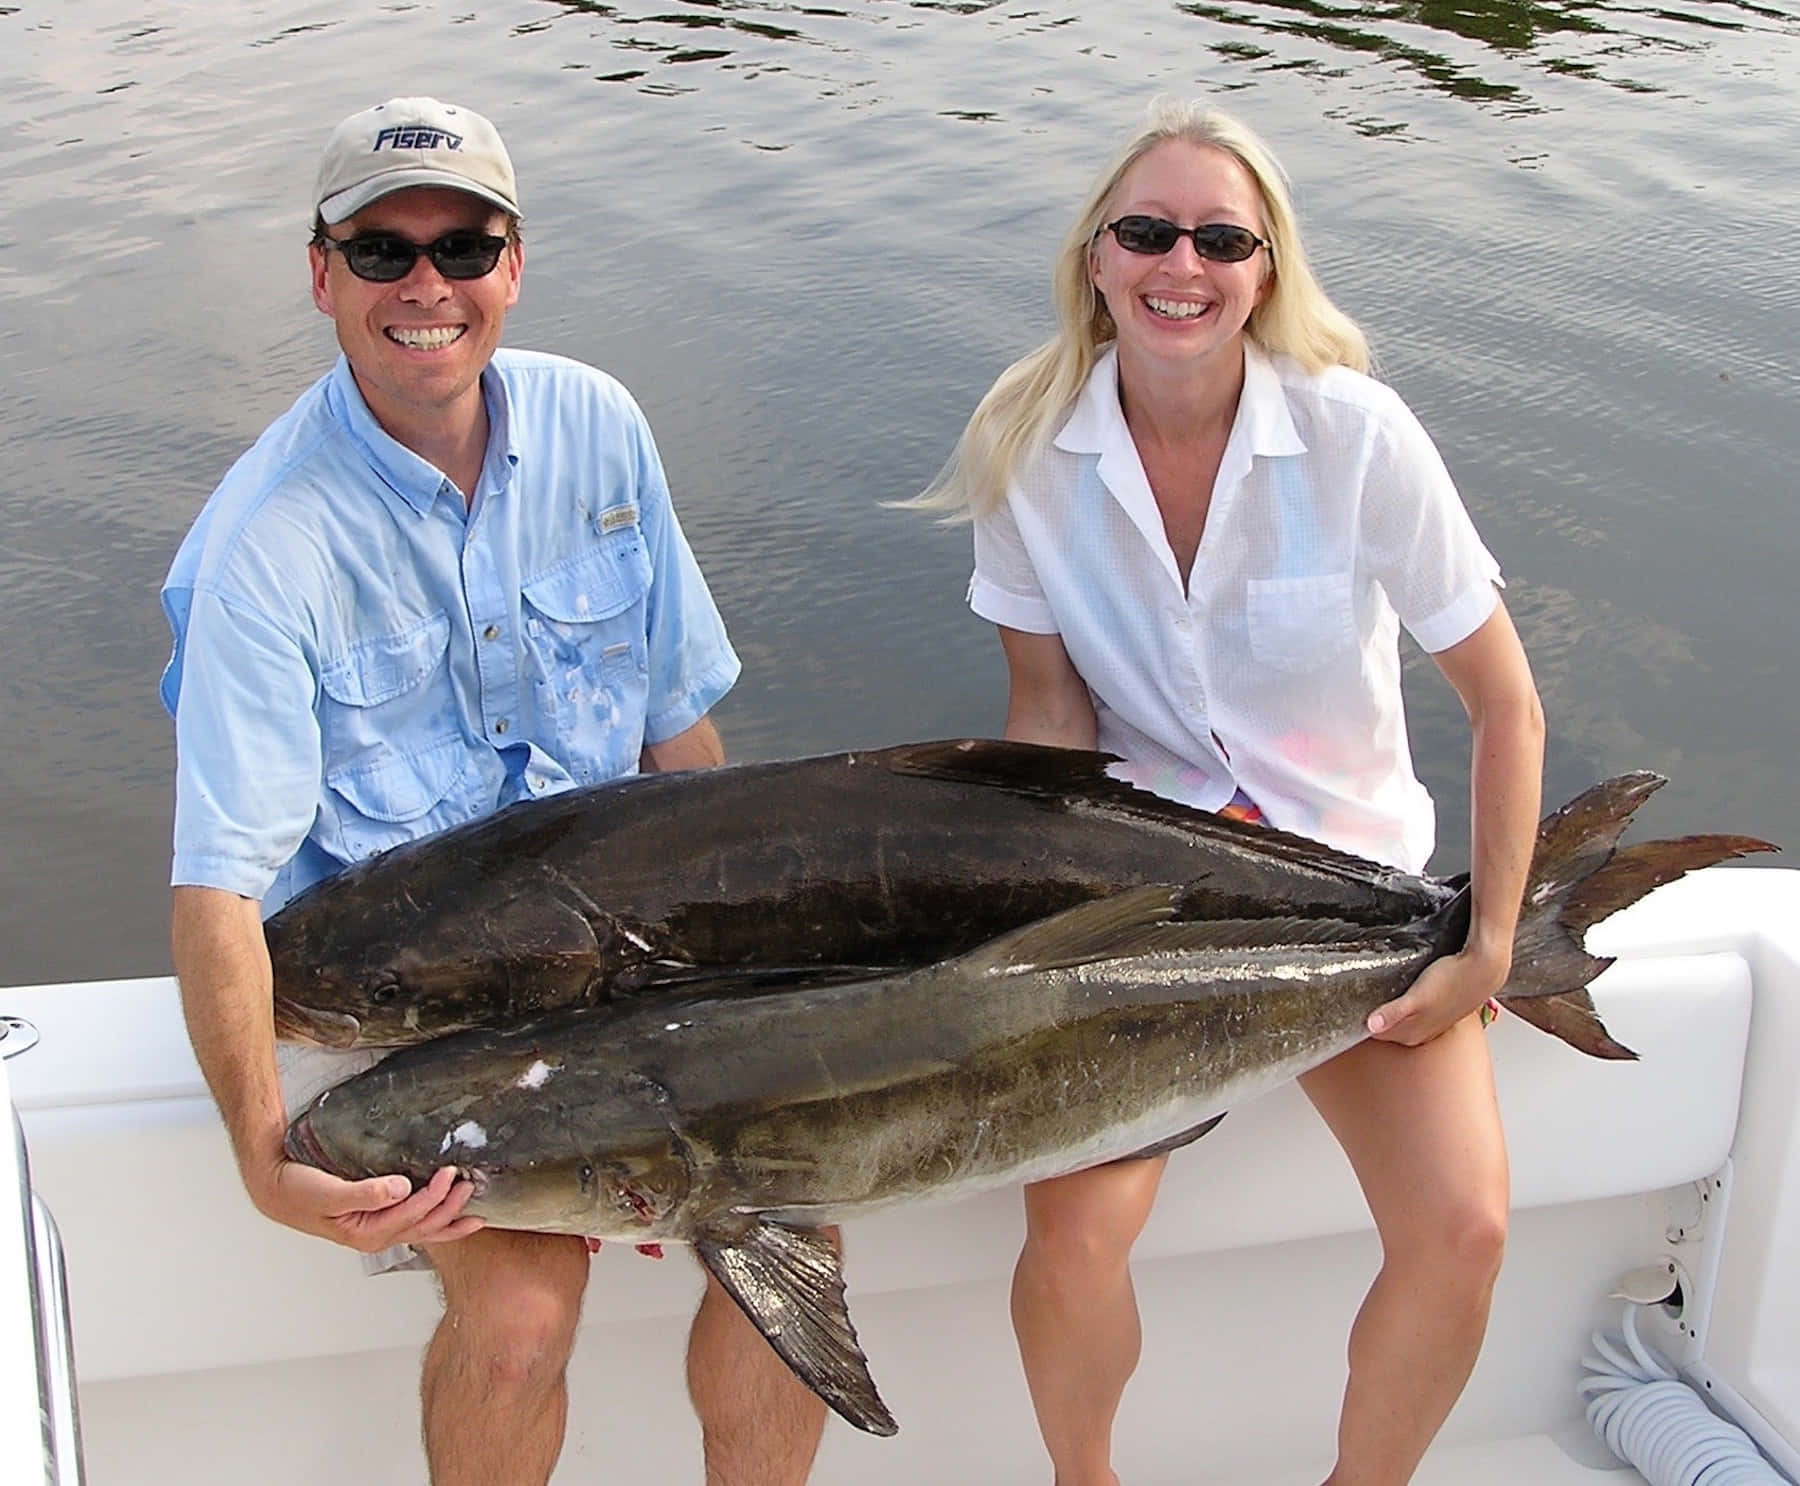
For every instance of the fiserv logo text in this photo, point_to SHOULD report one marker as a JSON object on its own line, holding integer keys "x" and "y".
{"x": 417, "y": 137}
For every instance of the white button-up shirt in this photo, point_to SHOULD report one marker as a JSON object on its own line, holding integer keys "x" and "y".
{"x": 1277, "y": 670}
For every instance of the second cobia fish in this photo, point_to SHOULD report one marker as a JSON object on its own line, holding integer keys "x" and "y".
{"x": 892, "y": 857}
{"x": 743, "y": 1124}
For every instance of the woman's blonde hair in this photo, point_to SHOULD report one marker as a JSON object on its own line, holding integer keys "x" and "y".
{"x": 1014, "y": 422}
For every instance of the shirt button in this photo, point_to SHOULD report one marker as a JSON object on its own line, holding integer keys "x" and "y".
{"x": 492, "y": 632}
{"x": 502, "y": 725}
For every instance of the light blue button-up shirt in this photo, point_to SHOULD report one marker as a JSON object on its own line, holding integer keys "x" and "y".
{"x": 362, "y": 657}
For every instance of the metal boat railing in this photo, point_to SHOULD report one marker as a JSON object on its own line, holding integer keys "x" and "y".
{"x": 58, "y": 1408}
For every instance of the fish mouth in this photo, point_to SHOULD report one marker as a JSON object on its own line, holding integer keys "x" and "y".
{"x": 295, "y": 1023}
{"x": 302, "y": 1144}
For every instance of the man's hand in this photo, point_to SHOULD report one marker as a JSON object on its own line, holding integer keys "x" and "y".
{"x": 1447, "y": 991}
{"x": 369, "y": 1215}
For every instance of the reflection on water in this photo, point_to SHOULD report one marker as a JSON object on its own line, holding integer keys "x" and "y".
{"x": 808, "y": 236}
{"x": 1574, "y": 39}
{"x": 1580, "y": 40}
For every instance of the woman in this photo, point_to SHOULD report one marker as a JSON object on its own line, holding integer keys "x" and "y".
{"x": 1198, "y": 527}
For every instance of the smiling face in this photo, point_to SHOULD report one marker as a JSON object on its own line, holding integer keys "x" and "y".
{"x": 1180, "y": 307}
{"x": 418, "y": 346}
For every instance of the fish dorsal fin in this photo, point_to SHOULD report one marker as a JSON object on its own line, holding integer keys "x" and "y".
{"x": 1135, "y": 922}
{"x": 1079, "y": 777}
{"x": 789, "y": 1282}
{"x": 1026, "y": 768}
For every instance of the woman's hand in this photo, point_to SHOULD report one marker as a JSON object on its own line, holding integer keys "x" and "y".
{"x": 1446, "y": 992}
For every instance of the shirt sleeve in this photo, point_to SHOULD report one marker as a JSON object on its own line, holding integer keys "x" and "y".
{"x": 247, "y": 748}
{"x": 1419, "y": 541}
{"x": 692, "y": 664}
{"x": 1005, "y": 588}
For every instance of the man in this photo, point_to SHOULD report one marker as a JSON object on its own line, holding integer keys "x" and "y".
{"x": 448, "y": 579}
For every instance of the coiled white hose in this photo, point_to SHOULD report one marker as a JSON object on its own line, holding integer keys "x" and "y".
{"x": 1651, "y": 1419}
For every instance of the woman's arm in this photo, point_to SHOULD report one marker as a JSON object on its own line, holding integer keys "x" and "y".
{"x": 1047, "y": 701}
{"x": 1492, "y": 676}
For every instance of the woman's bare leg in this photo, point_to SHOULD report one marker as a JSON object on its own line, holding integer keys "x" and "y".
{"x": 1075, "y": 1312}
{"x": 1422, "y": 1131}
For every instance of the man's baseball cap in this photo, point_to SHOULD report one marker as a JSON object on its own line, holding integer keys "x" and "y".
{"x": 412, "y": 142}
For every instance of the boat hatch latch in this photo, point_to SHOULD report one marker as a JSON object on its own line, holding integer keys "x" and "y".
{"x": 16, "y": 1036}
{"x": 1654, "y": 1284}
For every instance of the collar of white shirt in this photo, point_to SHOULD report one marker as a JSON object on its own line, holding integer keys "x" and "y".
{"x": 1263, "y": 427}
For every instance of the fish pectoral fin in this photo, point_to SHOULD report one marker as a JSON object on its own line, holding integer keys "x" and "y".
{"x": 1174, "y": 1142}
{"x": 790, "y": 1284}
{"x": 546, "y": 922}
{"x": 1103, "y": 929}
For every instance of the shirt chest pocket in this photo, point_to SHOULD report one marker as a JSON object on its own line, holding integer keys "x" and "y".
{"x": 587, "y": 653}
{"x": 393, "y": 746}
{"x": 1297, "y": 625}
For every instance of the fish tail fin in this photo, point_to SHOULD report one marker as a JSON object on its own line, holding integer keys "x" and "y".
{"x": 1579, "y": 876}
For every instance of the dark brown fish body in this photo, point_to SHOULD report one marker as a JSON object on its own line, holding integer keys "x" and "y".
{"x": 895, "y": 857}
{"x": 742, "y": 1123}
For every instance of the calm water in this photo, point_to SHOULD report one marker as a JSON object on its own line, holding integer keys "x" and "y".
{"x": 807, "y": 236}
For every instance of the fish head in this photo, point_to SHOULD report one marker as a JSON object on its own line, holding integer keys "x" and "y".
{"x": 602, "y": 1160}
{"x": 389, "y": 954}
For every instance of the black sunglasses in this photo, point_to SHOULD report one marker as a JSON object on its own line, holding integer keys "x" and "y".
{"x": 386, "y": 257}
{"x": 1221, "y": 242}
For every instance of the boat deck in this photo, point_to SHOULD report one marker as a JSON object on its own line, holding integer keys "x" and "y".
{"x": 214, "y": 1348}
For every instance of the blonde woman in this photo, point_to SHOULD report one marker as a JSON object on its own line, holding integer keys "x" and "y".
{"x": 1199, "y": 524}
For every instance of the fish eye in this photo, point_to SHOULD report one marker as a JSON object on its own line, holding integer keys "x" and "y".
{"x": 384, "y": 991}
{"x": 586, "y": 1174}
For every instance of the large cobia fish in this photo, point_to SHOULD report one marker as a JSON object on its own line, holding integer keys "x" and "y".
{"x": 896, "y": 857}
{"x": 741, "y": 1124}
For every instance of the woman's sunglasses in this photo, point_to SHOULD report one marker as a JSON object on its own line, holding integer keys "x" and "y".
{"x": 386, "y": 257}
{"x": 1220, "y": 242}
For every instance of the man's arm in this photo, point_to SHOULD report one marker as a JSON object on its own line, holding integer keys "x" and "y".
{"x": 227, "y": 997}
{"x": 697, "y": 747}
